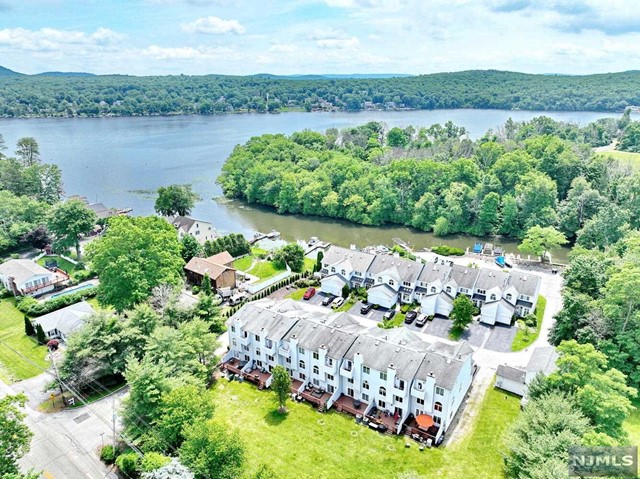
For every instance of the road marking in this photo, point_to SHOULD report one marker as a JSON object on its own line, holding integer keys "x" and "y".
{"x": 47, "y": 475}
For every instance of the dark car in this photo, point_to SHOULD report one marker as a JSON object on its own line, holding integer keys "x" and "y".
{"x": 366, "y": 308}
{"x": 327, "y": 301}
{"x": 422, "y": 320}
{"x": 411, "y": 315}
{"x": 389, "y": 314}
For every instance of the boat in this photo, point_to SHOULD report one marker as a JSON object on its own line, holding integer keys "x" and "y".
{"x": 477, "y": 248}
{"x": 500, "y": 261}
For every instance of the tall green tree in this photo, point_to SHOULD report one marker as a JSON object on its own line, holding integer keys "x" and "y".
{"x": 175, "y": 200}
{"x": 462, "y": 312}
{"x": 291, "y": 255}
{"x": 190, "y": 248}
{"x": 15, "y": 436}
{"x": 489, "y": 216}
{"x": 29, "y": 330}
{"x": 70, "y": 220}
{"x": 539, "y": 241}
{"x": 40, "y": 336}
{"x": 212, "y": 452}
{"x": 134, "y": 256}
{"x": 281, "y": 386}
{"x": 28, "y": 151}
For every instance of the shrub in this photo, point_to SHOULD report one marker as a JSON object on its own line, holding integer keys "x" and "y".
{"x": 84, "y": 275}
{"x": 531, "y": 320}
{"x": 152, "y": 461}
{"x": 15, "y": 256}
{"x": 128, "y": 463}
{"x": 33, "y": 308}
{"x": 445, "y": 250}
{"x": 404, "y": 308}
{"x": 195, "y": 289}
{"x": 108, "y": 454}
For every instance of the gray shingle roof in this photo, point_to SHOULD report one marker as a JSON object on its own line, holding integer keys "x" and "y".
{"x": 491, "y": 278}
{"x": 262, "y": 321}
{"x": 511, "y": 373}
{"x": 407, "y": 270}
{"x": 432, "y": 272}
{"x": 66, "y": 320}
{"x": 359, "y": 260}
{"x": 313, "y": 336}
{"x": 543, "y": 360}
{"x": 525, "y": 283}
{"x": 463, "y": 276}
{"x": 444, "y": 361}
{"x": 22, "y": 269}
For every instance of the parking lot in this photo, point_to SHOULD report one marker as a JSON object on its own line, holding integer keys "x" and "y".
{"x": 495, "y": 338}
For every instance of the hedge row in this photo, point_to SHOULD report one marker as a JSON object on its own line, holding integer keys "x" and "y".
{"x": 32, "y": 307}
{"x": 445, "y": 250}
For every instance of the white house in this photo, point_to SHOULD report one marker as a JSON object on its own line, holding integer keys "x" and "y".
{"x": 342, "y": 266}
{"x": 335, "y": 359}
{"x": 201, "y": 230}
{"x": 390, "y": 279}
{"x": 61, "y": 323}
{"x": 511, "y": 379}
{"x": 26, "y": 277}
{"x": 517, "y": 379}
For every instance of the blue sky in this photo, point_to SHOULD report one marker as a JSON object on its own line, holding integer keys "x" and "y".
{"x": 144, "y": 37}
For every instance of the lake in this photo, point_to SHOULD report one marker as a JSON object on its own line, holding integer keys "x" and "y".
{"x": 122, "y": 161}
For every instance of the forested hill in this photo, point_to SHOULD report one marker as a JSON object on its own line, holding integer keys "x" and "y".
{"x": 116, "y": 95}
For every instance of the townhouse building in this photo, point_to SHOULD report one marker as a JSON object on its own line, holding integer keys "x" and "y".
{"x": 500, "y": 295}
{"x": 387, "y": 377}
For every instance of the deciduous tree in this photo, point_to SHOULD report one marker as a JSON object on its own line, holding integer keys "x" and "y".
{"x": 539, "y": 241}
{"x": 68, "y": 221}
{"x": 462, "y": 312}
{"x": 281, "y": 386}
{"x": 175, "y": 200}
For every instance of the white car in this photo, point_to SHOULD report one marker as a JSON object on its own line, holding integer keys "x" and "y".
{"x": 337, "y": 302}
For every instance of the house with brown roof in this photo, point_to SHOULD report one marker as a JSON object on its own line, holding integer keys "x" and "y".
{"x": 218, "y": 267}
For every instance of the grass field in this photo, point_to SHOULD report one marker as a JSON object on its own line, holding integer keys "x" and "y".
{"x": 523, "y": 338}
{"x": 297, "y": 294}
{"x": 632, "y": 425}
{"x": 12, "y": 366}
{"x": 305, "y": 444}
{"x": 264, "y": 270}
{"x": 244, "y": 263}
{"x": 62, "y": 263}
{"x": 630, "y": 158}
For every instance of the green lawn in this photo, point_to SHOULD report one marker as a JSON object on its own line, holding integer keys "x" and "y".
{"x": 265, "y": 269}
{"x": 305, "y": 444}
{"x": 348, "y": 304}
{"x": 297, "y": 294}
{"x": 243, "y": 264}
{"x": 524, "y": 338}
{"x": 98, "y": 307}
{"x": 396, "y": 321}
{"x": 12, "y": 365}
{"x": 308, "y": 264}
{"x": 632, "y": 425}
{"x": 62, "y": 263}
{"x": 630, "y": 158}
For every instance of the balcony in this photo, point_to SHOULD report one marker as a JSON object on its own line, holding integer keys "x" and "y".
{"x": 346, "y": 371}
{"x": 245, "y": 340}
{"x": 284, "y": 351}
{"x": 270, "y": 350}
{"x": 418, "y": 393}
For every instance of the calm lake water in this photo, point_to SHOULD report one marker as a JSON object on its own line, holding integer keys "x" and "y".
{"x": 122, "y": 161}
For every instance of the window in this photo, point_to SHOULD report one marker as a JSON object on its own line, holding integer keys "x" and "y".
{"x": 391, "y": 282}
{"x": 269, "y": 343}
{"x": 383, "y": 376}
{"x": 302, "y": 376}
{"x": 316, "y": 382}
{"x": 366, "y": 370}
{"x": 437, "y": 420}
{"x": 400, "y": 384}
{"x": 379, "y": 279}
{"x": 481, "y": 291}
{"x": 365, "y": 397}
{"x": 420, "y": 401}
{"x": 287, "y": 360}
{"x": 365, "y": 385}
{"x": 316, "y": 355}
{"x": 382, "y": 404}
{"x": 406, "y": 283}
{"x": 233, "y": 329}
{"x": 259, "y": 364}
{"x": 302, "y": 365}
{"x": 300, "y": 350}
{"x": 433, "y": 289}
{"x": 343, "y": 272}
{"x": 331, "y": 389}
{"x": 350, "y": 392}
{"x": 437, "y": 407}
{"x": 347, "y": 365}
{"x": 270, "y": 358}
{"x": 316, "y": 370}
{"x": 333, "y": 269}
{"x": 245, "y": 334}
{"x": 382, "y": 391}
{"x": 493, "y": 297}
{"x": 397, "y": 399}
{"x": 234, "y": 342}
{"x": 350, "y": 380}
{"x": 448, "y": 289}
{"x": 257, "y": 338}
{"x": 245, "y": 347}
{"x": 509, "y": 296}
{"x": 419, "y": 385}
{"x": 439, "y": 391}
{"x": 258, "y": 352}
{"x": 329, "y": 377}
{"x": 247, "y": 358}
{"x": 329, "y": 362}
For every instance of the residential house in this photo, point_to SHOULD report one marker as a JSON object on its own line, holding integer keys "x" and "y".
{"x": 218, "y": 267}
{"x": 201, "y": 230}
{"x": 390, "y": 279}
{"x": 516, "y": 379}
{"x": 342, "y": 266}
{"x": 334, "y": 359}
{"x": 61, "y": 323}
{"x": 25, "y": 277}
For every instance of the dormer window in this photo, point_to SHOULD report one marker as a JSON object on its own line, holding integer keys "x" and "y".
{"x": 433, "y": 289}
{"x": 391, "y": 282}
{"x": 493, "y": 297}
{"x": 509, "y": 296}
{"x": 448, "y": 289}
{"x": 419, "y": 385}
{"x": 379, "y": 279}
{"x": 343, "y": 272}
{"x": 333, "y": 270}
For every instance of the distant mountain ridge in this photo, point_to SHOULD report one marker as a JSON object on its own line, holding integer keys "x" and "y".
{"x": 332, "y": 76}
{"x": 5, "y": 72}
{"x": 64, "y": 74}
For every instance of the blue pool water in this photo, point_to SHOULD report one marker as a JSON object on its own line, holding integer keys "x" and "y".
{"x": 72, "y": 290}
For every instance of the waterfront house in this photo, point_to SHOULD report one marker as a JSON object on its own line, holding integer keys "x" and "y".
{"x": 218, "y": 267}
{"x": 201, "y": 230}
{"x": 24, "y": 277}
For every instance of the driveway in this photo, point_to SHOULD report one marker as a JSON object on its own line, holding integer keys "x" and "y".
{"x": 501, "y": 338}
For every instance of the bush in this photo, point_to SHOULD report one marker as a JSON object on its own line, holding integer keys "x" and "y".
{"x": 84, "y": 275}
{"x": 531, "y": 320}
{"x": 128, "y": 464}
{"x": 445, "y": 250}
{"x": 152, "y": 461}
{"x": 108, "y": 454}
{"x": 15, "y": 256}
{"x": 195, "y": 289}
{"x": 405, "y": 308}
{"x": 32, "y": 307}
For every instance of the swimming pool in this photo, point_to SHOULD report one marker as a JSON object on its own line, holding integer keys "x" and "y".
{"x": 72, "y": 290}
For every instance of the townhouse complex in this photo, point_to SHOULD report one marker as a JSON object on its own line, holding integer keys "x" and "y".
{"x": 387, "y": 377}
{"x": 500, "y": 295}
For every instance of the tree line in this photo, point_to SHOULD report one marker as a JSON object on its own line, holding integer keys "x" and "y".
{"x": 535, "y": 173}
{"x": 121, "y": 95}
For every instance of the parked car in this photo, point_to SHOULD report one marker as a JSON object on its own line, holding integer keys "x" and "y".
{"x": 389, "y": 314}
{"x": 309, "y": 293}
{"x": 337, "y": 302}
{"x": 411, "y": 315}
{"x": 366, "y": 308}
{"x": 328, "y": 300}
{"x": 421, "y": 320}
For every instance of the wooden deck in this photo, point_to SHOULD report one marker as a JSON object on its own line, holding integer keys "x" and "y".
{"x": 295, "y": 385}
{"x": 316, "y": 396}
{"x": 258, "y": 377}
{"x": 379, "y": 418}
{"x": 420, "y": 434}
{"x": 348, "y": 404}
{"x": 234, "y": 366}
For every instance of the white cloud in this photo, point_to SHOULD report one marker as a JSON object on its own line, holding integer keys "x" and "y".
{"x": 338, "y": 43}
{"x": 185, "y": 53}
{"x": 214, "y": 25}
{"x": 329, "y": 33}
{"x": 51, "y": 39}
{"x": 283, "y": 48}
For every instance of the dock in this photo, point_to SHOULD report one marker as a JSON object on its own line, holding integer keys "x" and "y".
{"x": 260, "y": 236}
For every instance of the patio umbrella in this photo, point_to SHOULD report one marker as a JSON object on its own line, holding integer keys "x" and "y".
{"x": 424, "y": 421}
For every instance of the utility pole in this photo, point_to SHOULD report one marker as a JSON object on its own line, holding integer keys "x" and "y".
{"x": 55, "y": 368}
